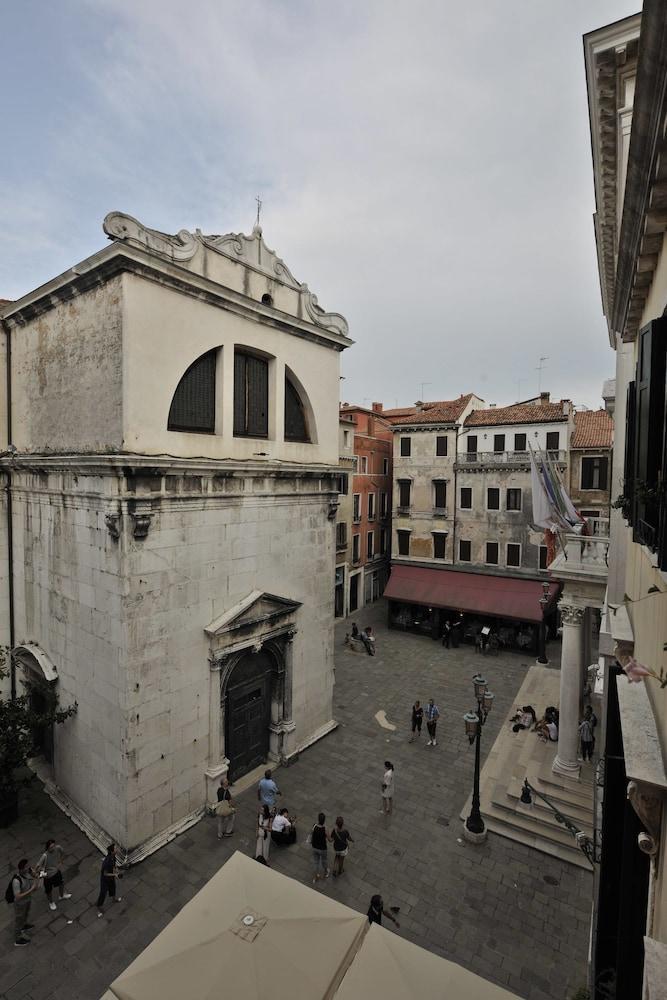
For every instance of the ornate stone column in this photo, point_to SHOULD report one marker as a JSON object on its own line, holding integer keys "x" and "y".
{"x": 570, "y": 691}
{"x": 218, "y": 764}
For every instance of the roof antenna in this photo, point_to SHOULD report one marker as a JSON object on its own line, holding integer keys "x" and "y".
{"x": 539, "y": 375}
{"x": 259, "y": 209}
{"x": 423, "y": 384}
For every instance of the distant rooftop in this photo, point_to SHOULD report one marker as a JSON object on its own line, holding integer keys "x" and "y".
{"x": 592, "y": 429}
{"x": 539, "y": 410}
{"x": 444, "y": 411}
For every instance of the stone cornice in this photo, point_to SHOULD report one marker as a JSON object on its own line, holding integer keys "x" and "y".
{"x": 119, "y": 258}
{"x": 124, "y": 463}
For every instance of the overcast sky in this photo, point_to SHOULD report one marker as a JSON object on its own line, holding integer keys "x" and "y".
{"x": 424, "y": 165}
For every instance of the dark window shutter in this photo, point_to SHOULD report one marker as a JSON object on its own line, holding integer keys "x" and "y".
{"x": 465, "y": 551}
{"x": 519, "y": 442}
{"x": 295, "y": 418}
{"x": 587, "y": 473}
{"x": 441, "y": 446}
{"x": 440, "y": 494}
{"x": 629, "y": 463}
{"x": 239, "y": 394}
{"x": 604, "y": 473}
{"x": 193, "y": 405}
{"x": 251, "y": 396}
{"x": 649, "y": 428}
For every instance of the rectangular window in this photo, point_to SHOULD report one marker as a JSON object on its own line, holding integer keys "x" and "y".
{"x": 513, "y": 554}
{"x": 342, "y": 484}
{"x": 594, "y": 473}
{"x": 356, "y": 507}
{"x": 385, "y": 466}
{"x": 356, "y": 548}
{"x": 471, "y": 448}
{"x": 363, "y": 463}
{"x": 493, "y": 498}
{"x": 553, "y": 440}
{"x": 251, "y": 396}
{"x": 466, "y": 498}
{"x": 346, "y": 438}
{"x": 370, "y": 544}
{"x": 492, "y": 553}
{"x": 542, "y": 557}
{"x": 341, "y": 535}
{"x": 404, "y": 487}
{"x": 439, "y": 544}
{"x": 441, "y": 446}
{"x": 520, "y": 442}
{"x": 514, "y": 499}
{"x": 439, "y": 494}
{"x": 383, "y": 541}
{"x": 403, "y": 543}
{"x": 465, "y": 551}
{"x": 406, "y": 445}
{"x": 498, "y": 442}
{"x": 383, "y": 505}
{"x": 371, "y": 506}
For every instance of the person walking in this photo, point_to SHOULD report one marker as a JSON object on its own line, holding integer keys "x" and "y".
{"x": 318, "y": 843}
{"x": 587, "y": 738}
{"x": 376, "y": 912}
{"x": 19, "y": 891}
{"x": 267, "y": 790}
{"x": 432, "y": 716}
{"x": 264, "y": 821}
{"x": 341, "y": 839}
{"x": 225, "y": 810}
{"x": 417, "y": 717}
{"x": 447, "y": 634}
{"x": 388, "y": 788}
{"x": 108, "y": 879}
{"x": 50, "y": 864}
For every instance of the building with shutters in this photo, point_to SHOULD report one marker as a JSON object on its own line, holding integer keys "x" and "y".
{"x": 626, "y": 75}
{"x": 171, "y": 444}
{"x": 589, "y": 466}
{"x": 344, "y": 516}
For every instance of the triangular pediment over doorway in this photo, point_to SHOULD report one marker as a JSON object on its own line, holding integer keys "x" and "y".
{"x": 257, "y": 609}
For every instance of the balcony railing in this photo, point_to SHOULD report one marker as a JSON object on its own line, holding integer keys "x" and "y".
{"x": 478, "y": 458}
{"x": 585, "y": 554}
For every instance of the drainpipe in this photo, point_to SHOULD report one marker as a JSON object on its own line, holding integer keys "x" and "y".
{"x": 10, "y": 527}
{"x": 456, "y": 458}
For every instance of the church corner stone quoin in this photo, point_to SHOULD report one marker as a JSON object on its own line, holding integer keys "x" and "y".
{"x": 173, "y": 408}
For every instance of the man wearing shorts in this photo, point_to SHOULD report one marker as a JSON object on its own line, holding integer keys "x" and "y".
{"x": 432, "y": 716}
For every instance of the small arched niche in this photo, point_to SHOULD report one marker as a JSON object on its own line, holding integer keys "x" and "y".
{"x": 193, "y": 405}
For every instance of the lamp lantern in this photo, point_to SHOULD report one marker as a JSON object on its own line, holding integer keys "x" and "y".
{"x": 487, "y": 701}
{"x": 480, "y": 686}
{"x": 471, "y": 720}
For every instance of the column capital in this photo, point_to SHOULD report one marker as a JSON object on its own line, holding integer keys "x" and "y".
{"x": 571, "y": 614}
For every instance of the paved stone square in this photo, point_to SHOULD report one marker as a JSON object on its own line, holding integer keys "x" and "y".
{"x": 488, "y": 908}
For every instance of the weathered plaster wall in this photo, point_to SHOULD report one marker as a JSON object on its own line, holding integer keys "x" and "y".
{"x": 67, "y": 363}
{"x": 421, "y": 468}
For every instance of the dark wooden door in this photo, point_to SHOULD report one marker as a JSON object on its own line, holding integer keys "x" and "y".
{"x": 354, "y": 592}
{"x": 248, "y": 713}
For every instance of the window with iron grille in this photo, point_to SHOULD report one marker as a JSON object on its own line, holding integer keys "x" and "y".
{"x": 404, "y": 489}
{"x": 513, "y": 554}
{"x": 498, "y": 442}
{"x": 594, "y": 473}
{"x": 296, "y": 427}
{"x": 520, "y": 442}
{"x": 492, "y": 553}
{"x": 466, "y": 498}
{"x": 439, "y": 494}
{"x": 439, "y": 544}
{"x": 341, "y": 535}
{"x": 553, "y": 440}
{"x": 193, "y": 405}
{"x": 441, "y": 446}
{"x": 251, "y": 396}
{"x": 493, "y": 498}
{"x": 406, "y": 445}
{"x": 513, "y": 500}
{"x": 403, "y": 543}
{"x": 465, "y": 551}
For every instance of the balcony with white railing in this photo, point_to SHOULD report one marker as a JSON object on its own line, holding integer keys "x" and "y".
{"x": 583, "y": 561}
{"x": 491, "y": 459}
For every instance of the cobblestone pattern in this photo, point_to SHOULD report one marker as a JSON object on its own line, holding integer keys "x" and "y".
{"x": 486, "y": 907}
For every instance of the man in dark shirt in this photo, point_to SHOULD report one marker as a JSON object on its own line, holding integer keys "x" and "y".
{"x": 108, "y": 879}
{"x": 417, "y": 716}
{"x": 376, "y": 911}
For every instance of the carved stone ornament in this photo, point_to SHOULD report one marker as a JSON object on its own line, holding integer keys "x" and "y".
{"x": 141, "y": 520}
{"x": 333, "y": 510}
{"x": 571, "y": 615}
{"x": 112, "y": 522}
{"x": 119, "y": 226}
{"x": 252, "y": 250}
{"x": 648, "y": 807}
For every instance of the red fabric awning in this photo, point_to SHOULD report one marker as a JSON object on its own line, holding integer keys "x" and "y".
{"x": 474, "y": 593}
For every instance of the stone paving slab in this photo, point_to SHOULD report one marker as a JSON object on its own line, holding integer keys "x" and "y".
{"x": 486, "y": 907}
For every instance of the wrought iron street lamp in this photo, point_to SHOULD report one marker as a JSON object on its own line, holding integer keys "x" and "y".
{"x": 542, "y": 634}
{"x": 474, "y": 722}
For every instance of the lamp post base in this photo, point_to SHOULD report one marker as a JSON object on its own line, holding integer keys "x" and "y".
{"x": 472, "y": 837}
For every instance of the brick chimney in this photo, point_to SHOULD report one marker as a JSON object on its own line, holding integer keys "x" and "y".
{"x": 544, "y": 398}
{"x": 377, "y": 407}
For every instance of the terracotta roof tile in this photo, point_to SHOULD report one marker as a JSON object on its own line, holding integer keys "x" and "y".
{"x": 592, "y": 429}
{"x": 444, "y": 411}
{"x": 517, "y": 413}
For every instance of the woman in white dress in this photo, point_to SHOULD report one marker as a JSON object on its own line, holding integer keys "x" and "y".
{"x": 388, "y": 788}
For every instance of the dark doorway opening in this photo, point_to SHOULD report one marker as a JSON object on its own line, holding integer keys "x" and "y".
{"x": 248, "y": 713}
{"x": 41, "y": 702}
{"x": 354, "y": 593}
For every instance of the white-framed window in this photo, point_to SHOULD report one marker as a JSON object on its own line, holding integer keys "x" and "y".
{"x": 441, "y": 446}
{"x": 403, "y": 542}
{"x": 513, "y": 498}
{"x": 493, "y": 498}
{"x": 342, "y": 483}
{"x": 370, "y": 544}
{"x": 513, "y": 554}
{"x": 439, "y": 544}
{"x": 542, "y": 559}
{"x": 356, "y": 548}
{"x": 404, "y": 493}
{"x": 465, "y": 550}
{"x": 371, "y": 506}
{"x": 406, "y": 447}
{"x": 594, "y": 471}
{"x": 363, "y": 463}
{"x": 383, "y": 504}
{"x": 439, "y": 494}
{"x": 491, "y": 554}
{"x": 466, "y": 498}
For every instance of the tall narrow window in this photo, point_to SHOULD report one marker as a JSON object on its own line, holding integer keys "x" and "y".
{"x": 498, "y": 442}
{"x": 383, "y": 505}
{"x": 439, "y": 544}
{"x": 492, "y": 553}
{"x": 441, "y": 445}
{"x": 370, "y": 544}
{"x": 383, "y": 541}
{"x": 404, "y": 487}
{"x": 513, "y": 499}
{"x": 553, "y": 440}
{"x": 466, "y": 498}
{"x": 471, "y": 448}
{"x": 406, "y": 444}
{"x": 371, "y": 506}
{"x": 356, "y": 506}
{"x": 251, "y": 396}
{"x": 193, "y": 405}
{"x": 403, "y": 543}
{"x": 519, "y": 442}
{"x": 513, "y": 554}
{"x": 465, "y": 551}
{"x": 296, "y": 428}
{"x": 356, "y": 544}
{"x": 542, "y": 558}
{"x": 493, "y": 498}
{"x": 439, "y": 494}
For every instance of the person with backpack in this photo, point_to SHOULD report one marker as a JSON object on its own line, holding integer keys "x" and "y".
{"x": 50, "y": 867}
{"x": 18, "y": 892}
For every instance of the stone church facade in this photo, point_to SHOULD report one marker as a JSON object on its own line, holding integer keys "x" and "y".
{"x": 171, "y": 423}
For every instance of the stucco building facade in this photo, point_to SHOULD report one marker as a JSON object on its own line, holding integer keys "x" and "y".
{"x": 172, "y": 412}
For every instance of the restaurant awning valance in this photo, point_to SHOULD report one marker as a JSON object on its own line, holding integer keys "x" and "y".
{"x": 474, "y": 593}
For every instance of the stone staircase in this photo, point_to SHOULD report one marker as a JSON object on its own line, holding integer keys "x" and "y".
{"x": 515, "y": 756}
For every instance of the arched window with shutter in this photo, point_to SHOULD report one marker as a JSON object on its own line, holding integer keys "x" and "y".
{"x": 193, "y": 405}
{"x": 296, "y": 425}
